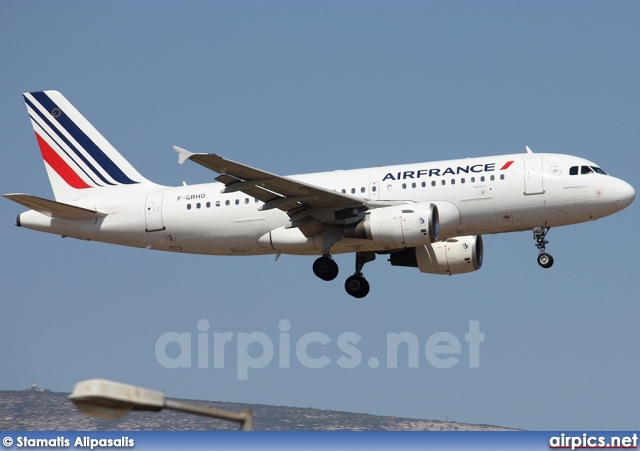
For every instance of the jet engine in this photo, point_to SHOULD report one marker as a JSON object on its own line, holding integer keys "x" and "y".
{"x": 454, "y": 256}
{"x": 407, "y": 225}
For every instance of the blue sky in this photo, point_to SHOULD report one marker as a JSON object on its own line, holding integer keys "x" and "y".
{"x": 295, "y": 87}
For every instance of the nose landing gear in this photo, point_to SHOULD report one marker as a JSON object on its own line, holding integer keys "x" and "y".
{"x": 539, "y": 234}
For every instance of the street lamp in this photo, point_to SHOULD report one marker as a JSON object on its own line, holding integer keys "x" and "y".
{"x": 107, "y": 399}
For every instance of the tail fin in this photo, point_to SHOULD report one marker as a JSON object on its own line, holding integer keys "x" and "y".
{"x": 77, "y": 157}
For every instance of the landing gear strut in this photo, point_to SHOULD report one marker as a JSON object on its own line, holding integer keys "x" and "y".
{"x": 325, "y": 267}
{"x": 356, "y": 285}
{"x": 539, "y": 234}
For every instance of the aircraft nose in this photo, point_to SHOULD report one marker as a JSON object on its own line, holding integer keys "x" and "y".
{"x": 625, "y": 194}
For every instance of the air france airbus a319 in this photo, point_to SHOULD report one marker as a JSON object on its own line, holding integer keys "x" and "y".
{"x": 426, "y": 215}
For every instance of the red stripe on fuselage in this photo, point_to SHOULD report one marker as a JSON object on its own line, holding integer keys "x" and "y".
{"x": 506, "y": 165}
{"x": 60, "y": 166}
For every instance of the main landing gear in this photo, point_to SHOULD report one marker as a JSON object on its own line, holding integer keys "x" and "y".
{"x": 356, "y": 285}
{"x": 539, "y": 234}
{"x": 325, "y": 268}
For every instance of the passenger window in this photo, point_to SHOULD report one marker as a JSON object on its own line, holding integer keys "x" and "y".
{"x": 344, "y": 191}
{"x": 443, "y": 182}
{"x": 217, "y": 203}
{"x": 462, "y": 180}
{"x": 208, "y": 204}
{"x": 362, "y": 189}
{"x": 482, "y": 178}
{"x": 473, "y": 179}
{"x": 374, "y": 188}
{"x": 227, "y": 203}
{"x": 404, "y": 186}
{"x": 188, "y": 206}
{"x": 237, "y": 201}
{"x": 493, "y": 177}
{"x": 573, "y": 170}
{"x": 198, "y": 205}
{"x": 433, "y": 183}
{"x": 353, "y": 190}
{"x": 453, "y": 181}
{"x": 501, "y": 176}
{"x": 424, "y": 184}
{"x": 246, "y": 200}
{"x": 413, "y": 185}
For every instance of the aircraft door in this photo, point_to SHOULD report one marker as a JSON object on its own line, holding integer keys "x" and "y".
{"x": 153, "y": 212}
{"x": 533, "y": 183}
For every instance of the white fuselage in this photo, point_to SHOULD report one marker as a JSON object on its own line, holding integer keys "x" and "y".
{"x": 492, "y": 195}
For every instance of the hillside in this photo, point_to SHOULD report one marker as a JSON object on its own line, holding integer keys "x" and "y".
{"x": 42, "y": 410}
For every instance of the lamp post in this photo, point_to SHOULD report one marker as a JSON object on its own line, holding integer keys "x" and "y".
{"x": 107, "y": 399}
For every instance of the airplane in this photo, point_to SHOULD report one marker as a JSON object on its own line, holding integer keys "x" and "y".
{"x": 429, "y": 216}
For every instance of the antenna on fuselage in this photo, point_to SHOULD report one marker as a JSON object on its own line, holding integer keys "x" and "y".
{"x": 528, "y": 150}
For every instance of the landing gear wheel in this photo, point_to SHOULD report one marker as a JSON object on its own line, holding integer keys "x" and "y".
{"x": 539, "y": 234}
{"x": 325, "y": 268}
{"x": 545, "y": 260}
{"x": 357, "y": 286}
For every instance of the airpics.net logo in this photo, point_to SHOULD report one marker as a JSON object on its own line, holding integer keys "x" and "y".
{"x": 314, "y": 350}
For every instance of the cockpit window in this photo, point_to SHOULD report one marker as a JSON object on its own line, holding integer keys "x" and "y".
{"x": 574, "y": 170}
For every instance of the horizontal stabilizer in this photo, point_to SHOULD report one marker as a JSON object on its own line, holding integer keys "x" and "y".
{"x": 54, "y": 209}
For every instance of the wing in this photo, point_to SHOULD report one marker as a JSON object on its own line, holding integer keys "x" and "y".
{"x": 309, "y": 206}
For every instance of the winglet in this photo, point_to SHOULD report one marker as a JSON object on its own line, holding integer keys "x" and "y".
{"x": 528, "y": 150}
{"x": 183, "y": 154}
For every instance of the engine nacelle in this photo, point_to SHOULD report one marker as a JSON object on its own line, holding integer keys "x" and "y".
{"x": 454, "y": 256}
{"x": 407, "y": 225}
{"x": 399, "y": 226}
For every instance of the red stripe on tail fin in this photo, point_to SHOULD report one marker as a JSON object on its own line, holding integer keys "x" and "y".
{"x": 60, "y": 166}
